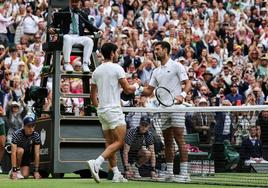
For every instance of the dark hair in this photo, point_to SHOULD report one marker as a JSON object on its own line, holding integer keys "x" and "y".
{"x": 163, "y": 45}
{"x": 107, "y": 49}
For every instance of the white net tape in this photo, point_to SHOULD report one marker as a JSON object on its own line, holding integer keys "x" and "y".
{"x": 179, "y": 108}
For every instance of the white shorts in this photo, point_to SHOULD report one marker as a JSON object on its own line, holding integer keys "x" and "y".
{"x": 172, "y": 119}
{"x": 111, "y": 118}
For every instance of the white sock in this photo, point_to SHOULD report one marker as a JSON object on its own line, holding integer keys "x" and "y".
{"x": 170, "y": 168}
{"x": 184, "y": 168}
{"x": 99, "y": 161}
{"x": 116, "y": 170}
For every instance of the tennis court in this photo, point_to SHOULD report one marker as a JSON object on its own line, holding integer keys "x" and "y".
{"x": 220, "y": 180}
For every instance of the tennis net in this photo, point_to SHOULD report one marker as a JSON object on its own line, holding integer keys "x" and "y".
{"x": 226, "y": 145}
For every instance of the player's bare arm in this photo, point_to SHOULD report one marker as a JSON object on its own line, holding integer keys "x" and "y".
{"x": 93, "y": 94}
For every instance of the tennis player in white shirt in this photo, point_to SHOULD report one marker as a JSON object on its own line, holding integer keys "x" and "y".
{"x": 107, "y": 81}
{"x": 171, "y": 75}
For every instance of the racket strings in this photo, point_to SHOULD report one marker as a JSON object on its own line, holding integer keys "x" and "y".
{"x": 164, "y": 97}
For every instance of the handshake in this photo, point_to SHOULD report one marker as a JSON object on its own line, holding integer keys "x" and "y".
{"x": 139, "y": 89}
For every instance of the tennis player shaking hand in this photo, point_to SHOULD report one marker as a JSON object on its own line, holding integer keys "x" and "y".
{"x": 107, "y": 81}
{"x": 168, "y": 80}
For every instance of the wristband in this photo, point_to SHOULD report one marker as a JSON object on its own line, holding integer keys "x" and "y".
{"x": 141, "y": 89}
{"x": 183, "y": 94}
{"x": 136, "y": 85}
{"x": 127, "y": 167}
{"x": 14, "y": 169}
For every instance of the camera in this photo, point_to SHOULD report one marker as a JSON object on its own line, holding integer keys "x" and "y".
{"x": 38, "y": 95}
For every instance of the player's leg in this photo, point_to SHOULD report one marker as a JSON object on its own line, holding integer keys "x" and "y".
{"x": 114, "y": 128}
{"x": 109, "y": 137}
{"x": 169, "y": 150}
{"x": 179, "y": 129}
{"x": 179, "y": 138}
{"x": 119, "y": 134}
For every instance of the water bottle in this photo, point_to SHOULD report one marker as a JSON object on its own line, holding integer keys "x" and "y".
{"x": 76, "y": 111}
{"x": 199, "y": 167}
{"x": 211, "y": 168}
{"x": 191, "y": 167}
{"x": 205, "y": 167}
{"x": 162, "y": 171}
{"x": 194, "y": 167}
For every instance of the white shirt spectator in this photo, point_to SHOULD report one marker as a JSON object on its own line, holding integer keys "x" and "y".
{"x": 30, "y": 24}
{"x": 13, "y": 64}
{"x": 4, "y": 23}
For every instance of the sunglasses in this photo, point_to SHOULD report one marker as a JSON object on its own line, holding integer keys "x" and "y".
{"x": 249, "y": 71}
{"x": 7, "y": 74}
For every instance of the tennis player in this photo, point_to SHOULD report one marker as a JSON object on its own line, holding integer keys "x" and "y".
{"x": 171, "y": 75}
{"x": 107, "y": 80}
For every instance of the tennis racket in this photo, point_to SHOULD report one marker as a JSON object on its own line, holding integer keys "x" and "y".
{"x": 164, "y": 96}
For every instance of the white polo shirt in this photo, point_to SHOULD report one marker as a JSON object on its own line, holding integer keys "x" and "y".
{"x": 169, "y": 76}
{"x": 14, "y": 64}
{"x": 106, "y": 77}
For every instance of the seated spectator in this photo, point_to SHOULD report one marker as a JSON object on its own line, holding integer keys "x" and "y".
{"x": 251, "y": 148}
{"x": 73, "y": 27}
{"x": 234, "y": 97}
{"x": 139, "y": 148}
{"x": 68, "y": 105}
{"x": 77, "y": 66}
{"x": 25, "y": 144}
{"x": 203, "y": 123}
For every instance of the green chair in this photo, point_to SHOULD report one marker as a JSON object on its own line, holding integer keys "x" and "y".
{"x": 193, "y": 139}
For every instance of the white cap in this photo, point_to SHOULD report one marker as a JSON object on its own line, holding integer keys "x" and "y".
{"x": 203, "y": 100}
{"x": 181, "y": 58}
{"x": 75, "y": 63}
{"x": 15, "y": 103}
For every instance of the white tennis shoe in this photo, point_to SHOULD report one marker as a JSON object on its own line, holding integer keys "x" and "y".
{"x": 19, "y": 174}
{"x": 182, "y": 178}
{"x": 94, "y": 170}
{"x": 119, "y": 178}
